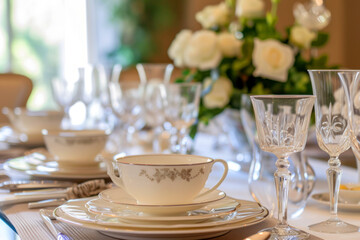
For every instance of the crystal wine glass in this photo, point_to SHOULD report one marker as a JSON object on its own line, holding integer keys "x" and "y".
{"x": 181, "y": 108}
{"x": 126, "y": 103}
{"x": 154, "y": 76}
{"x": 332, "y": 134}
{"x": 351, "y": 82}
{"x": 282, "y": 123}
{"x": 66, "y": 92}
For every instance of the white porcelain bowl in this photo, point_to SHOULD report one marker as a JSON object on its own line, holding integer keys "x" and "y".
{"x": 350, "y": 193}
{"x": 75, "y": 147}
{"x": 32, "y": 122}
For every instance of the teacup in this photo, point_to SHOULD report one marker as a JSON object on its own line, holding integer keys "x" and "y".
{"x": 32, "y": 122}
{"x": 350, "y": 193}
{"x": 75, "y": 147}
{"x": 164, "y": 179}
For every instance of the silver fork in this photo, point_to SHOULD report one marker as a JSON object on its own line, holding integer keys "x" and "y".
{"x": 46, "y": 216}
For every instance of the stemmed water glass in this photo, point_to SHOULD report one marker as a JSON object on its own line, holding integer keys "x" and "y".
{"x": 181, "y": 108}
{"x": 282, "y": 123}
{"x": 351, "y": 83}
{"x": 154, "y": 76}
{"x": 332, "y": 134}
{"x": 126, "y": 103}
{"x": 66, "y": 92}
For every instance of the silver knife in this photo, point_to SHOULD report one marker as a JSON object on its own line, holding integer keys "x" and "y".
{"x": 31, "y": 185}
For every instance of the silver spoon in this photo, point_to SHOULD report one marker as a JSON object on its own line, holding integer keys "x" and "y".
{"x": 46, "y": 216}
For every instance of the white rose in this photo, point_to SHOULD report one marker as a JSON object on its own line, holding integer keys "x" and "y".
{"x": 229, "y": 45}
{"x": 249, "y": 8}
{"x": 177, "y": 47}
{"x": 215, "y": 15}
{"x": 202, "y": 51}
{"x": 301, "y": 36}
{"x": 272, "y": 59}
{"x": 220, "y": 93}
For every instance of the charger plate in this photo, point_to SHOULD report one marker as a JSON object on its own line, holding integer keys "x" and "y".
{"x": 75, "y": 213}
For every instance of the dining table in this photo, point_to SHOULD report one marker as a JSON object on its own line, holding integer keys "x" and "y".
{"x": 20, "y": 222}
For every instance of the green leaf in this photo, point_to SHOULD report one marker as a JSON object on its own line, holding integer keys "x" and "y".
{"x": 193, "y": 130}
{"x": 320, "y": 62}
{"x": 248, "y": 47}
{"x": 186, "y": 72}
{"x": 321, "y": 40}
{"x": 240, "y": 64}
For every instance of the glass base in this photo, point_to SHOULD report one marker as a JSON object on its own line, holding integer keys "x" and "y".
{"x": 286, "y": 233}
{"x": 334, "y": 226}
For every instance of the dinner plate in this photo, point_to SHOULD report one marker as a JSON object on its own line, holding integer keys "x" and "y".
{"x": 220, "y": 208}
{"x": 119, "y": 196}
{"x": 323, "y": 198}
{"x": 50, "y": 170}
{"x": 74, "y": 212}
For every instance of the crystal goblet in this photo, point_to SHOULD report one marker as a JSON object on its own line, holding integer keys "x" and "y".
{"x": 126, "y": 103}
{"x": 66, "y": 92}
{"x": 181, "y": 108}
{"x": 332, "y": 134}
{"x": 154, "y": 76}
{"x": 282, "y": 123}
{"x": 351, "y": 83}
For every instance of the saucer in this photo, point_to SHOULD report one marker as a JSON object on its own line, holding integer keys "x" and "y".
{"x": 10, "y": 136}
{"x": 323, "y": 198}
{"x": 221, "y": 208}
{"x": 37, "y": 168}
{"x": 118, "y": 196}
{"x": 74, "y": 212}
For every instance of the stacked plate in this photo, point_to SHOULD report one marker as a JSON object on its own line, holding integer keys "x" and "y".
{"x": 117, "y": 214}
{"x": 38, "y": 163}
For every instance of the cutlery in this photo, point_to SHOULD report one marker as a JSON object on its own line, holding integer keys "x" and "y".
{"x": 31, "y": 185}
{"x": 46, "y": 216}
{"x": 46, "y": 203}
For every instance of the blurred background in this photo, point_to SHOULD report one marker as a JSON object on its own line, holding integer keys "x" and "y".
{"x": 45, "y": 39}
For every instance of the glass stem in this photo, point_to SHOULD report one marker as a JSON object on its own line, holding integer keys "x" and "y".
{"x": 333, "y": 174}
{"x": 282, "y": 180}
{"x": 179, "y": 144}
{"x": 156, "y": 141}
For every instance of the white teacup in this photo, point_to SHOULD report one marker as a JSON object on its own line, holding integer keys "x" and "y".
{"x": 32, "y": 122}
{"x": 75, "y": 147}
{"x": 165, "y": 179}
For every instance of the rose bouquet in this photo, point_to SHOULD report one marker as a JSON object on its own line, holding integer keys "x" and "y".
{"x": 239, "y": 50}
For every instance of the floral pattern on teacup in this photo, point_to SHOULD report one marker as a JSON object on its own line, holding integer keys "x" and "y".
{"x": 163, "y": 173}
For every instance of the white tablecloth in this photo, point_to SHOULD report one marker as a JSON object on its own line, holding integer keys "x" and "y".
{"x": 28, "y": 221}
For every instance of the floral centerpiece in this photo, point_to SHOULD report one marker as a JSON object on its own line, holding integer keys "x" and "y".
{"x": 239, "y": 50}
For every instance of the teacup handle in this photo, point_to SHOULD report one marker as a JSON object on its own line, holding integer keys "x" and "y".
{"x": 226, "y": 169}
{"x": 111, "y": 172}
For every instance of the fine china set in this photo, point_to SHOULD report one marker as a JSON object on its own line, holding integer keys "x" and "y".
{"x": 115, "y": 213}
{"x": 162, "y": 195}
